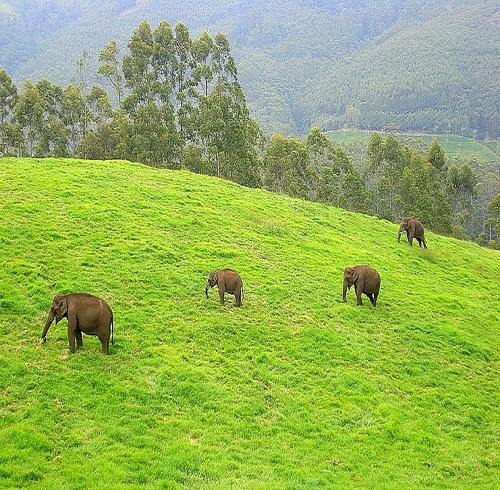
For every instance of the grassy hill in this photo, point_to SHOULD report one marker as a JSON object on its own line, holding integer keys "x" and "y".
{"x": 295, "y": 389}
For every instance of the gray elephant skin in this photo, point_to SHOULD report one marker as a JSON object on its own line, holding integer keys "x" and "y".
{"x": 414, "y": 229}
{"x": 365, "y": 279}
{"x": 227, "y": 281}
{"x": 85, "y": 313}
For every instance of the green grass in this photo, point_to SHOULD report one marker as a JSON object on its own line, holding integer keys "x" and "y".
{"x": 294, "y": 390}
{"x": 485, "y": 156}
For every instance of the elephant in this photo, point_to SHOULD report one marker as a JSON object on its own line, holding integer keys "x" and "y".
{"x": 365, "y": 279}
{"x": 227, "y": 281}
{"x": 85, "y": 313}
{"x": 414, "y": 229}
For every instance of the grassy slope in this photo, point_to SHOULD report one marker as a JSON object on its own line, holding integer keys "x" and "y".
{"x": 293, "y": 390}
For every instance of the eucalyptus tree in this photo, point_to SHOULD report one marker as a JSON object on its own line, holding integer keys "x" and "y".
{"x": 83, "y": 68}
{"x": 494, "y": 221}
{"x": 54, "y": 140}
{"x": 387, "y": 161}
{"x": 203, "y": 72}
{"x": 230, "y": 137}
{"x": 182, "y": 66}
{"x": 110, "y": 68}
{"x": 435, "y": 155}
{"x": 73, "y": 113}
{"x": 422, "y": 195}
{"x": 337, "y": 181}
{"x": 163, "y": 62}
{"x": 287, "y": 167}
{"x": 151, "y": 125}
{"x": 29, "y": 114}
{"x": 100, "y": 140}
{"x": 8, "y": 100}
{"x": 461, "y": 189}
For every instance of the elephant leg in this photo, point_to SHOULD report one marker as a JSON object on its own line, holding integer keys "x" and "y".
{"x": 71, "y": 338}
{"x": 104, "y": 338}
{"x": 359, "y": 291}
{"x": 221, "y": 295}
{"x": 370, "y": 297}
{"x": 237, "y": 295}
{"x": 79, "y": 340}
{"x": 375, "y": 296}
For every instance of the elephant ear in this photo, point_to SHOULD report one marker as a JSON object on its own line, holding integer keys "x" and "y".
{"x": 355, "y": 275}
{"x": 349, "y": 274}
{"x": 61, "y": 305}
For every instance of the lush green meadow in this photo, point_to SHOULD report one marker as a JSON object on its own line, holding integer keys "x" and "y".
{"x": 294, "y": 390}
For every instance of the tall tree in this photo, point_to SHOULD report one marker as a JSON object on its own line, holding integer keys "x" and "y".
{"x": 29, "y": 112}
{"x": 83, "y": 66}
{"x": 54, "y": 141}
{"x": 203, "y": 74}
{"x": 287, "y": 167}
{"x": 435, "y": 155}
{"x": 137, "y": 68}
{"x": 387, "y": 161}
{"x": 422, "y": 196}
{"x": 8, "y": 100}
{"x": 110, "y": 68}
{"x": 100, "y": 141}
{"x": 73, "y": 110}
{"x": 494, "y": 211}
{"x": 461, "y": 183}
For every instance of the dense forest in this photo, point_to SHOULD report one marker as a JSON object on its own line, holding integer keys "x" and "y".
{"x": 420, "y": 65}
{"x": 180, "y": 105}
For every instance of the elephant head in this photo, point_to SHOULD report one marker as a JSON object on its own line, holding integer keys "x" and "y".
{"x": 211, "y": 282}
{"x": 403, "y": 226}
{"x": 58, "y": 310}
{"x": 350, "y": 276}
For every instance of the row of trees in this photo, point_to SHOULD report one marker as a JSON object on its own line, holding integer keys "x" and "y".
{"x": 179, "y": 103}
{"x": 176, "y": 102}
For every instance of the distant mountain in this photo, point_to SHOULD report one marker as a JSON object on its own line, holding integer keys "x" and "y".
{"x": 416, "y": 64}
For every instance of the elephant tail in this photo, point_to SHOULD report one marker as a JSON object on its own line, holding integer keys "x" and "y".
{"x": 112, "y": 332}
{"x": 242, "y": 292}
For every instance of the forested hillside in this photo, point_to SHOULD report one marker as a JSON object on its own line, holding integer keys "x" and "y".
{"x": 360, "y": 64}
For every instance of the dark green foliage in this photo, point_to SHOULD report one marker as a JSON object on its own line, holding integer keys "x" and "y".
{"x": 331, "y": 64}
{"x": 493, "y": 222}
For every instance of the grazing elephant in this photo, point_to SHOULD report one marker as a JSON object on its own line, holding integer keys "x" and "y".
{"x": 227, "y": 281}
{"x": 365, "y": 280}
{"x": 414, "y": 229}
{"x": 85, "y": 313}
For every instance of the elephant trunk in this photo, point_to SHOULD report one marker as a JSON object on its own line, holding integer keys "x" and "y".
{"x": 344, "y": 291}
{"x": 207, "y": 288}
{"x": 49, "y": 321}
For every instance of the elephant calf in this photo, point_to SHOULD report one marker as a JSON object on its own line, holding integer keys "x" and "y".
{"x": 414, "y": 229}
{"x": 227, "y": 281}
{"x": 365, "y": 279}
{"x": 85, "y": 313}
